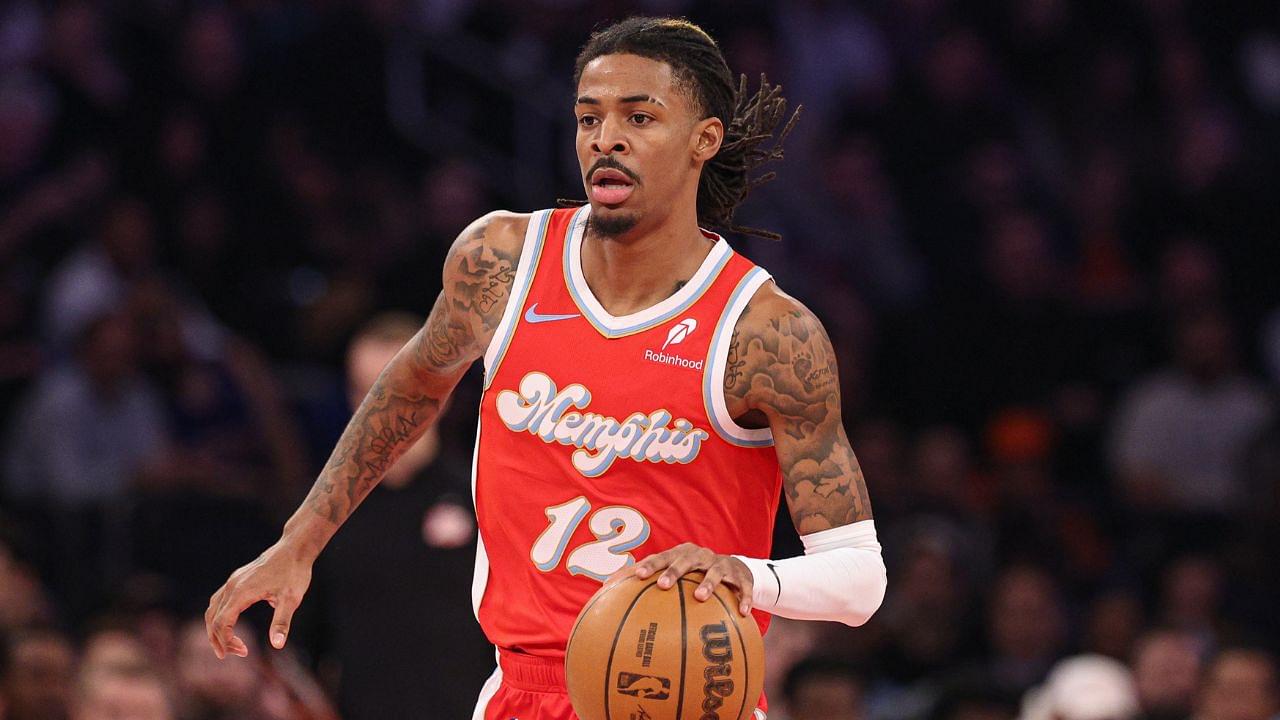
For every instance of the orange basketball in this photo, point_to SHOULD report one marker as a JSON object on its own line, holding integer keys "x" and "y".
{"x": 638, "y": 652}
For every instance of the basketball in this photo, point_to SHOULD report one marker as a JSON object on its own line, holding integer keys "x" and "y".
{"x": 638, "y": 652}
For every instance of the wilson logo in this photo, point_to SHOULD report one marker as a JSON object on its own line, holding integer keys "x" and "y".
{"x": 682, "y": 330}
{"x": 717, "y": 650}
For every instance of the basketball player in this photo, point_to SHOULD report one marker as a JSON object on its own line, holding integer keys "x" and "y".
{"x": 646, "y": 389}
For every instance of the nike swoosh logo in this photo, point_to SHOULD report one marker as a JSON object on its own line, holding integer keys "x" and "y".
{"x": 531, "y": 315}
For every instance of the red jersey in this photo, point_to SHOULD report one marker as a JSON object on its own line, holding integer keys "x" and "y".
{"x": 605, "y": 439}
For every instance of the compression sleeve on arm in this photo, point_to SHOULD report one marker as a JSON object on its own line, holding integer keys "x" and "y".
{"x": 840, "y": 577}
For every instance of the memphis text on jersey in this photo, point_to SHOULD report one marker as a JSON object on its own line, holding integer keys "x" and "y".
{"x": 553, "y": 416}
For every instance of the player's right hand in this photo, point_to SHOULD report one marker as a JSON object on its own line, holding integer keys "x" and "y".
{"x": 280, "y": 576}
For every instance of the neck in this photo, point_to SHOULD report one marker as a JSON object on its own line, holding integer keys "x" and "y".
{"x": 643, "y": 267}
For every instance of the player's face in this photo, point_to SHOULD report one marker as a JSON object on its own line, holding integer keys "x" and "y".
{"x": 639, "y": 141}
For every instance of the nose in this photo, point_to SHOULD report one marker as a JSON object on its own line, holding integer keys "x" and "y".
{"x": 610, "y": 139}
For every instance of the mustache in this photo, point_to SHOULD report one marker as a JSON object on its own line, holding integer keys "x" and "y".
{"x": 609, "y": 162}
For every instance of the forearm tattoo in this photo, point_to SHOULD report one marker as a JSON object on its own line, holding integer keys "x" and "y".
{"x": 785, "y": 366}
{"x": 407, "y": 396}
{"x": 383, "y": 427}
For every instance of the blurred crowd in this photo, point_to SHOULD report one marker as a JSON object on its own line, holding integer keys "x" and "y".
{"x": 1041, "y": 234}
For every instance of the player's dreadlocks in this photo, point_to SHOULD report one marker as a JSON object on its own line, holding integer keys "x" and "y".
{"x": 749, "y": 120}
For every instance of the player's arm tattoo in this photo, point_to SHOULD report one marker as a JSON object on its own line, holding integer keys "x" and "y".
{"x": 477, "y": 281}
{"x": 407, "y": 396}
{"x": 384, "y": 425}
{"x": 781, "y": 364}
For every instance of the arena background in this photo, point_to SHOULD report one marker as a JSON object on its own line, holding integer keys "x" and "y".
{"x": 1042, "y": 235}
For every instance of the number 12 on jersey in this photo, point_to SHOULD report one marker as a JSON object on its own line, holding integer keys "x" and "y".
{"x": 618, "y": 530}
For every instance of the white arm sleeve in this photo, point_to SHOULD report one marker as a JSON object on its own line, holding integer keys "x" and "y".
{"x": 840, "y": 577}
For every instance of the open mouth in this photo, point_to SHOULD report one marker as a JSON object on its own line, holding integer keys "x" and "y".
{"x": 610, "y": 186}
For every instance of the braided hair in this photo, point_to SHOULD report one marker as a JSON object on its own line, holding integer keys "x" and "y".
{"x": 749, "y": 120}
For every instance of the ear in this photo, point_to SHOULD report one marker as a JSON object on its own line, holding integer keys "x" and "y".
{"x": 707, "y": 136}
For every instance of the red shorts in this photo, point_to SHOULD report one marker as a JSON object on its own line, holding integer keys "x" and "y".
{"x": 530, "y": 688}
{"x": 525, "y": 688}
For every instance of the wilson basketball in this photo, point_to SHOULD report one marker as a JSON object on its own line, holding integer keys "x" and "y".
{"x": 638, "y": 652}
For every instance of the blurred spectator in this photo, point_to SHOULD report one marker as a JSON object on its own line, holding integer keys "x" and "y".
{"x": 1190, "y": 276}
{"x": 1039, "y": 519}
{"x": 1020, "y": 443}
{"x": 392, "y": 583}
{"x": 823, "y": 689}
{"x": 1191, "y": 597}
{"x": 970, "y": 699}
{"x": 211, "y": 56}
{"x": 1112, "y": 626}
{"x": 110, "y": 651}
{"x": 95, "y": 279}
{"x": 943, "y": 474}
{"x": 1026, "y": 627}
{"x": 232, "y": 435}
{"x": 211, "y": 689}
{"x": 256, "y": 687}
{"x": 27, "y": 106}
{"x": 1084, "y": 687}
{"x": 89, "y": 429}
{"x": 92, "y": 85}
{"x": 120, "y": 693}
{"x": 1180, "y": 434}
{"x": 1102, "y": 202}
{"x": 1240, "y": 684}
{"x": 23, "y": 600}
{"x": 925, "y": 618}
{"x": 1166, "y": 669}
{"x": 861, "y": 203}
{"x": 787, "y": 643}
{"x": 1022, "y": 327}
{"x": 234, "y": 449}
{"x": 38, "y": 674}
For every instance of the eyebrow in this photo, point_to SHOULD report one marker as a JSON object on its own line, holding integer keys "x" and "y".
{"x": 587, "y": 100}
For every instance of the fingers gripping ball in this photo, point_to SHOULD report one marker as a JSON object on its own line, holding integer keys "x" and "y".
{"x": 637, "y": 651}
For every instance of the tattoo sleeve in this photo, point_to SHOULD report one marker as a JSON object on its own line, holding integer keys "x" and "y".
{"x": 407, "y": 396}
{"x": 782, "y": 364}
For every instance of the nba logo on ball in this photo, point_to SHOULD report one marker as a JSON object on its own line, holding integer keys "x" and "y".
{"x": 638, "y": 652}
{"x": 682, "y": 330}
{"x": 644, "y": 686}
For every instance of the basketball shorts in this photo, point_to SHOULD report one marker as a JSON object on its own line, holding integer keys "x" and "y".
{"x": 525, "y": 687}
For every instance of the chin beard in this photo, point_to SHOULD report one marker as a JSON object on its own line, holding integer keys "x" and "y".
{"x": 612, "y": 225}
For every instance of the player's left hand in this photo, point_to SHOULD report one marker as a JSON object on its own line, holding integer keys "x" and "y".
{"x": 686, "y": 558}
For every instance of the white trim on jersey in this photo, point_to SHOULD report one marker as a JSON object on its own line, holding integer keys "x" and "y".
{"x": 713, "y": 378}
{"x": 479, "y": 576}
{"x": 480, "y": 573}
{"x": 612, "y": 326}
{"x": 534, "y": 240}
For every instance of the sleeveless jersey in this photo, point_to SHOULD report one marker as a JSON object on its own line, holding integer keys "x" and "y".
{"x": 605, "y": 439}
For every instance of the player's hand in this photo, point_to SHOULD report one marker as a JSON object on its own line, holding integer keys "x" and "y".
{"x": 280, "y": 576}
{"x": 686, "y": 558}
